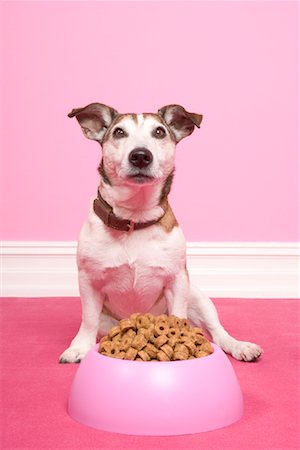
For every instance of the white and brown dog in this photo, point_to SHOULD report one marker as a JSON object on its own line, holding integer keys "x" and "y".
{"x": 132, "y": 252}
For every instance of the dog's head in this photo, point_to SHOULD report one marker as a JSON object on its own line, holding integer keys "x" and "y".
{"x": 137, "y": 148}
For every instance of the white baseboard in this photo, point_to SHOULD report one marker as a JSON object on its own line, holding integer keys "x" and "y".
{"x": 247, "y": 270}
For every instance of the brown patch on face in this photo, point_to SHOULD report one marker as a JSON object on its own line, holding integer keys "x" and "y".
{"x": 168, "y": 221}
{"x": 154, "y": 116}
{"x": 103, "y": 174}
{"x": 117, "y": 120}
{"x": 122, "y": 116}
{"x": 166, "y": 188}
{"x": 159, "y": 119}
{"x": 134, "y": 118}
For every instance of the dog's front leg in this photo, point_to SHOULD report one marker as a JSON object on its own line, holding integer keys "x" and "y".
{"x": 177, "y": 295}
{"x": 92, "y": 303}
{"x": 202, "y": 312}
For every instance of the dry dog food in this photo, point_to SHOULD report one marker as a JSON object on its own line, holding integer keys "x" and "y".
{"x": 145, "y": 337}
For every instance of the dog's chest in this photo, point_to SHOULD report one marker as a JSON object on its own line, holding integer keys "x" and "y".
{"x": 136, "y": 268}
{"x": 128, "y": 262}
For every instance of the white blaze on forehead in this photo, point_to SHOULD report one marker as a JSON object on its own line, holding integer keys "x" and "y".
{"x": 140, "y": 119}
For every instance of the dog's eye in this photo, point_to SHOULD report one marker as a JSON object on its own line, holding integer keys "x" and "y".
{"x": 119, "y": 133}
{"x": 159, "y": 133}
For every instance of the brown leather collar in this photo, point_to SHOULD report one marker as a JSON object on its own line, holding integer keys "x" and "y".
{"x": 105, "y": 212}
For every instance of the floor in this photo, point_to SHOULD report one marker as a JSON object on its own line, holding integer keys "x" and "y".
{"x": 35, "y": 387}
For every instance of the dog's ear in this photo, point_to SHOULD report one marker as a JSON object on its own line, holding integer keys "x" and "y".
{"x": 94, "y": 120}
{"x": 181, "y": 122}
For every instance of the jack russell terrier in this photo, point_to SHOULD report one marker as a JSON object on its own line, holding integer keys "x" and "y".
{"x": 131, "y": 252}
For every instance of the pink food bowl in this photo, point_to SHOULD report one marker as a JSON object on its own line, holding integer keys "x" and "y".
{"x": 156, "y": 398}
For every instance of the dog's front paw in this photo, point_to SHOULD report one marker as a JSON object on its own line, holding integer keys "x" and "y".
{"x": 243, "y": 351}
{"x": 73, "y": 354}
{"x": 246, "y": 351}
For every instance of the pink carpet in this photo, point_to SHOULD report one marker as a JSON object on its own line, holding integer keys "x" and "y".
{"x": 35, "y": 387}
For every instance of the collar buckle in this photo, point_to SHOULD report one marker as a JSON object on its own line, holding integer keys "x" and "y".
{"x": 130, "y": 226}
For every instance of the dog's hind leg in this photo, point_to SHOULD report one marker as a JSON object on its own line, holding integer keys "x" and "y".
{"x": 202, "y": 311}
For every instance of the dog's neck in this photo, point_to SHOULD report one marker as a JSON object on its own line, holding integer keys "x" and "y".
{"x": 140, "y": 203}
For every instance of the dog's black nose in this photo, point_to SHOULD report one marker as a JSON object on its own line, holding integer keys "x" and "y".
{"x": 140, "y": 157}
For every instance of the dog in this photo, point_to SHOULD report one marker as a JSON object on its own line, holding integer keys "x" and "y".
{"x": 132, "y": 253}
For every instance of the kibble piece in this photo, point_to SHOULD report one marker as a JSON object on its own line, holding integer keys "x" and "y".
{"x": 106, "y": 346}
{"x": 168, "y": 350}
{"x": 126, "y": 342}
{"x": 148, "y": 322}
{"x": 184, "y": 339}
{"x": 120, "y": 355}
{"x": 130, "y": 333}
{"x": 200, "y": 354}
{"x": 146, "y": 332}
{"x": 173, "y": 332}
{"x": 138, "y": 321}
{"x": 104, "y": 339}
{"x": 139, "y": 342}
{"x": 144, "y": 355}
{"x": 184, "y": 333}
{"x": 152, "y": 339}
{"x": 162, "y": 318}
{"x": 198, "y": 339}
{"x": 133, "y": 318}
{"x": 172, "y": 341}
{"x": 174, "y": 321}
{"x": 131, "y": 353}
{"x": 191, "y": 347}
{"x": 151, "y": 350}
{"x": 179, "y": 356}
{"x": 181, "y": 348}
{"x": 114, "y": 331}
{"x": 150, "y": 317}
{"x": 161, "y": 340}
{"x": 143, "y": 322}
{"x": 181, "y": 352}
{"x": 150, "y": 329}
{"x": 126, "y": 324}
{"x": 162, "y": 356}
{"x": 110, "y": 349}
{"x": 184, "y": 323}
{"x": 161, "y": 327}
{"x": 206, "y": 347}
{"x": 117, "y": 338}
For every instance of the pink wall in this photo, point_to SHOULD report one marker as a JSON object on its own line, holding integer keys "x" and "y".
{"x": 234, "y": 62}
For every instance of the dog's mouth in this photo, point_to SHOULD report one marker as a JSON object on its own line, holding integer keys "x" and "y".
{"x": 140, "y": 178}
